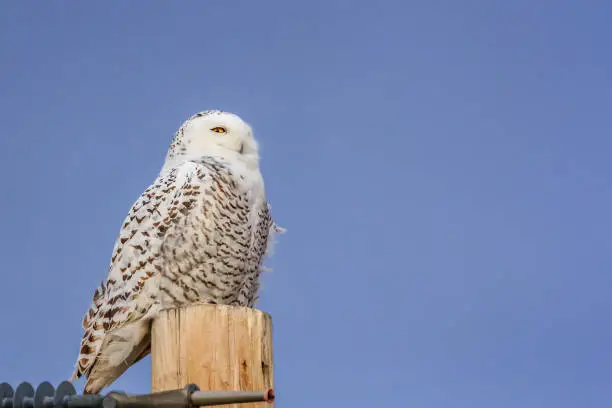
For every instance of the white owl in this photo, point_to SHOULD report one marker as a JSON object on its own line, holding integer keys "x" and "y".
{"x": 198, "y": 234}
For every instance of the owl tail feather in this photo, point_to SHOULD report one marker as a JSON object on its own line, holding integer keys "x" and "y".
{"x": 121, "y": 349}
{"x": 75, "y": 375}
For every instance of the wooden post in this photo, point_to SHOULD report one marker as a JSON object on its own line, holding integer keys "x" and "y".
{"x": 219, "y": 348}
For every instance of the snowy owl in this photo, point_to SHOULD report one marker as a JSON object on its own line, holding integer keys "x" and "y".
{"x": 198, "y": 234}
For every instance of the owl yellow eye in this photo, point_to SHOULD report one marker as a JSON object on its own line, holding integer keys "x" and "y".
{"x": 218, "y": 129}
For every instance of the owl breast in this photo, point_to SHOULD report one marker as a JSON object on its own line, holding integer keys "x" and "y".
{"x": 214, "y": 253}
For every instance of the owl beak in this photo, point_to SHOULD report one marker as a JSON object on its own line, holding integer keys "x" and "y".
{"x": 241, "y": 148}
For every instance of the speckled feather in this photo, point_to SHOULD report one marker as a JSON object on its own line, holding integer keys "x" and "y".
{"x": 198, "y": 234}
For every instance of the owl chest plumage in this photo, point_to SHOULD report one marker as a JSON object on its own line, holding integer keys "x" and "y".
{"x": 213, "y": 253}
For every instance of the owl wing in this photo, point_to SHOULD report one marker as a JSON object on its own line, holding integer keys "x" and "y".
{"x": 135, "y": 260}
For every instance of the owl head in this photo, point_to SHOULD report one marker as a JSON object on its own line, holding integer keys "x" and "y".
{"x": 213, "y": 132}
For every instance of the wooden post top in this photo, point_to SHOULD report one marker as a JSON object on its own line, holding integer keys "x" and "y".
{"x": 217, "y": 347}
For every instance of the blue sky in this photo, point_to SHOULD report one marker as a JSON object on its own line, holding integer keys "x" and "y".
{"x": 442, "y": 168}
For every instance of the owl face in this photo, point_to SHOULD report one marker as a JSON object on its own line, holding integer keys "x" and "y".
{"x": 218, "y": 131}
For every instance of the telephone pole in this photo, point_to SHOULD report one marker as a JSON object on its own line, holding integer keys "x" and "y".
{"x": 217, "y": 347}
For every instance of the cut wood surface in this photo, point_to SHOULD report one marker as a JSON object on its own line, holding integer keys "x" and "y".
{"x": 219, "y": 348}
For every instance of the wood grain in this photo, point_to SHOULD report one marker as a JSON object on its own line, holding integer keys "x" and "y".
{"x": 219, "y": 348}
